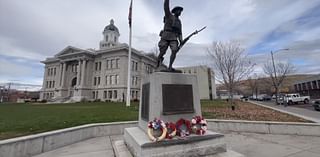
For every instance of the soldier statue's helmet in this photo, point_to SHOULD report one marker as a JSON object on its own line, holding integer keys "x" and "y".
{"x": 177, "y": 8}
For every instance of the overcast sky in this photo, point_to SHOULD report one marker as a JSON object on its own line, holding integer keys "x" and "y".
{"x": 33, "y": 30}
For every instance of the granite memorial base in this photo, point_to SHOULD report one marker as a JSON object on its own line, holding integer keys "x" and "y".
{"x": 170, "y": 97}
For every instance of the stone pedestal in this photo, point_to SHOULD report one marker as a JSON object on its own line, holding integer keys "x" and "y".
{"x": 171, "y": 96}
{"x": 168, "y": 96}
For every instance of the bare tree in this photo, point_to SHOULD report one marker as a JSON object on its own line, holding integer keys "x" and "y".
{"x": 231, "y": 64}
{"x": 278, "y": 73}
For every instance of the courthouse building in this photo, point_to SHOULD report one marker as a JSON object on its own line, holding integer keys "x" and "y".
{"x": 75, "y": 74}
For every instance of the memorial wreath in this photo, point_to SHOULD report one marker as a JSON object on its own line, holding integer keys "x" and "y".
{"x": 199, "y": 125}
{"x": 171, "y": 130}
{"x": 157, "y": 130}
{"x": 183, "y": 127}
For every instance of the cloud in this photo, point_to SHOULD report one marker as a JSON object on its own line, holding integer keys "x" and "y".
{"x": 35, "y": 29}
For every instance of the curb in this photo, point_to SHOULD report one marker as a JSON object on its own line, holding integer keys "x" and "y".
{"x": 288, "y": 112}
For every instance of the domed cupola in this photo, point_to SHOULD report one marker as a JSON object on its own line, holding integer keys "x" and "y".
{"x": 110, "y": 36}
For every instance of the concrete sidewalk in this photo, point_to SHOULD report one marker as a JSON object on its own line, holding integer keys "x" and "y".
{"x": 299, "y": 112}
{"x": 248, "y": 144}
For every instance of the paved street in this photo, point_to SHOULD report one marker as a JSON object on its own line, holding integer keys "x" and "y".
{"x": 304, "y": 111}
{"x": 249, "y": 144}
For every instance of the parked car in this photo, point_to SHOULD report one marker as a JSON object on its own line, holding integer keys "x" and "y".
{"x": 263, "y": 97}
{"x": 244, "y": 98}
{"x": 296, "y": 98}
{"x": 316, "y": 104}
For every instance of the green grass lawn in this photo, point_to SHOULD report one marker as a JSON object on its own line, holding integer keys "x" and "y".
{"x": 24, "y": 119}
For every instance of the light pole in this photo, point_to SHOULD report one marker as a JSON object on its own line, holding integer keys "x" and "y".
{"x": 275, "y": 73}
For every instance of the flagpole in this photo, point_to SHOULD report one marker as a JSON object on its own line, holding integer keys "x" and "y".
{"x": 129, "y": 56}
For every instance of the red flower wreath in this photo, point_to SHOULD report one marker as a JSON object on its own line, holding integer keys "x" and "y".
{"x": 181, "y": 132}
{"x": 199, "y": 125}
{"x": 172, "y": 130}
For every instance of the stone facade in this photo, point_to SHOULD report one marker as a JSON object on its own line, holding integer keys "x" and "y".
{"x": 75, "y": 74}
{"x": 206, "y": 80}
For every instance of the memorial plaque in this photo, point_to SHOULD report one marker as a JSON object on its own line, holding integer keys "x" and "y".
{"x": 177, "y": 99}
{"x": 145, "y": 101}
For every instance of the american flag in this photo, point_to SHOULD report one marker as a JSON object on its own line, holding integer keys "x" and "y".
{"x": 130, "y": 14}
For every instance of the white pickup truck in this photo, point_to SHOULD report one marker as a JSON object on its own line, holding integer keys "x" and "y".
{"x": 296, "y": 98}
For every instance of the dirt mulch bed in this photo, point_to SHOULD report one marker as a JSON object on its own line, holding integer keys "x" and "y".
{"x": 245, "y": 111}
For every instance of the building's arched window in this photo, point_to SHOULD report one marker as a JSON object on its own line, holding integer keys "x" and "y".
{"x": 73, "y": 82}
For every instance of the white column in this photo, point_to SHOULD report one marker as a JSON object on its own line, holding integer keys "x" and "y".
{"x": 60, "y": 74}
{"x": 84, "y": 64}
{"x": 64, "y": 65}
{"x": 78, "y": 72}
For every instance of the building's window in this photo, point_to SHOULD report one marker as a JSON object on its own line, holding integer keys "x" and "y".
{"x": 47, "y": 84}
{"x": 136, "y": 81}
{"x": 115, "y": 39}
{"x": 53, "y": 84}
{"x": 137, "y": 94}
{"x": 309, "y": 85}
{"x": 112, "y": 64}
{"x": 95, "y": 81}
{"x": 108, "y": 64}
{"x": 314, "y": 84}
{"x": 304, "y": 87}
{"x": 115, "y": 94}
{"x": 136, "y": 68}
{"x": 318, "y": 84}
{"x": 117, "y": 63}
{"x": 110, "y": 94}
{"x": 300, "y": 87}
{"x": 132, "y": 94}
{"x": 132, "y": 65}
{"x": 107, "y": 37}
{"x": 96, "y": 66}
{"x": 105, "y": 94}
{"x": 97, "y": 94}
{"x": 93, "y": 95}
{"x": 99, "y": 65}
{"x": 189, "y": 71}
{"x": 117, "y": 79}
{"x": 54, "y": 71}
{"x": 112, "y": 79}
{"x": 98, "y": 80}
{"x": 107, "y": 80}
{"x": 132, "y": 80}
{"x": 48, "y": 71}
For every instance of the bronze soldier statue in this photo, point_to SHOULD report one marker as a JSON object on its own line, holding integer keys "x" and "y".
{"x": 171, "y": 35}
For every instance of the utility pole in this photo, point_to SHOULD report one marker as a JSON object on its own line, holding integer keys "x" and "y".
{"x": 275, "y": 77}
{"x": 275, "y": 74}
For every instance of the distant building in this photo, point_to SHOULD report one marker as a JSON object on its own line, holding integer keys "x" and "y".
{"x": 309, "y": 86}
{"x": 75, "y": 74}
{"x": 206, "y": 80}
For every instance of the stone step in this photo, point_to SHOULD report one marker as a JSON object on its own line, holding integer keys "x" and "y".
{"x": 121, "y": 150}
{"x": 138, "y": 144}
